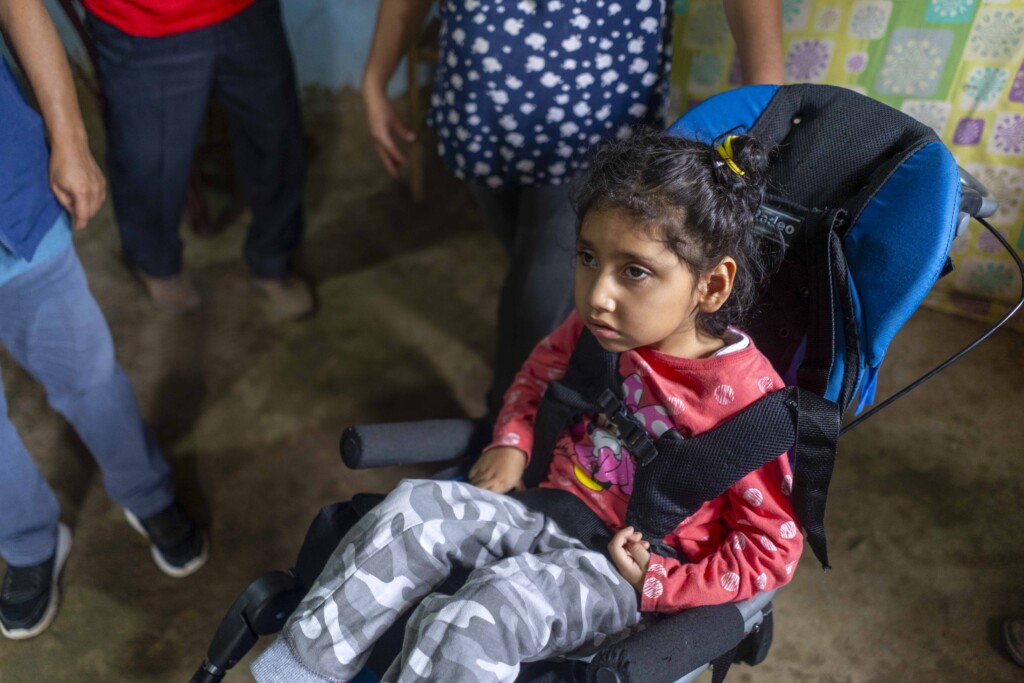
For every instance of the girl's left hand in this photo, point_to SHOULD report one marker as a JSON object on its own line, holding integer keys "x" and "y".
{"x": 631, "y": 556}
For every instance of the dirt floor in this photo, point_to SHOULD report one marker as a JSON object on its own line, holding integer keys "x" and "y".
{"x": 925, "y": 517}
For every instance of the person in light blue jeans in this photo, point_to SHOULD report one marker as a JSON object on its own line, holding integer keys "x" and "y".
{"x": 52, "y": 326}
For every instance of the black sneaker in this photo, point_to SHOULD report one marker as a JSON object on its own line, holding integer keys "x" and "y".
{"x": 29, "y": 597}
{"x": 178, "y": 546}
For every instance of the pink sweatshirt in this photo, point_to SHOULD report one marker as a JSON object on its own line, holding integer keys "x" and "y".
{"x": 740, "y": 543}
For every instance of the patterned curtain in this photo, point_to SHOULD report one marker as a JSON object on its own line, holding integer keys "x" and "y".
{"x": 955, "y": 65}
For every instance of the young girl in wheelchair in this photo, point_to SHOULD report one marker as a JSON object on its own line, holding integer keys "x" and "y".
{"x": 667, "y": 262}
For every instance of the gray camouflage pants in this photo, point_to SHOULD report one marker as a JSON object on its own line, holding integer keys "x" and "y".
{"x": 533, "y": 592}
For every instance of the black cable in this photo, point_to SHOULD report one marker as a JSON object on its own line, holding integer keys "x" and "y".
{"x": 956, "y": 357}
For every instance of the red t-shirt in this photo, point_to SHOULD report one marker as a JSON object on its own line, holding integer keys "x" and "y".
{"x": 741, "y": 543}
{"x": 155, "y": 18}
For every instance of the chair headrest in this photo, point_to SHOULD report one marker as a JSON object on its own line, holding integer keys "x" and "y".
{"x": 838, "y": 149}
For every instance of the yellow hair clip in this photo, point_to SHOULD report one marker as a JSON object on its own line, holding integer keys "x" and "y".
{"x": 725, "y": 151}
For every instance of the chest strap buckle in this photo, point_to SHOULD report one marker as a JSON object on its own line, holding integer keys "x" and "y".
{"x": 631, "y": 432}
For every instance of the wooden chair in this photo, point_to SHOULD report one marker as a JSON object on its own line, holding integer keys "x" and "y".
{"x": 423, "y": 51}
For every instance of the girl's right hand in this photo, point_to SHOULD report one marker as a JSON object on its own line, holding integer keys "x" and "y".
{"x": 499, "y": 469}
{"x": 631, "y": 555}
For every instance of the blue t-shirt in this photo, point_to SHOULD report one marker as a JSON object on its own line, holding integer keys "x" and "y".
{"x": 28, "y": 208}
{"x": 525, "y": 88}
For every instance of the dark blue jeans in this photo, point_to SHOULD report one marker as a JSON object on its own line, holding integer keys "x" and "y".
{"x": 157, "y": 91}
{"x": 537, "y": 226}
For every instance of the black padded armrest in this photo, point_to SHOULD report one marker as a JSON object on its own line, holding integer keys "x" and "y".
{"x": 670, "y": 648}
{"x": 406, "y": 443}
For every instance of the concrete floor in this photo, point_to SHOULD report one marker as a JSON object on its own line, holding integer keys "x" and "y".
{"x": 925, "y": 519}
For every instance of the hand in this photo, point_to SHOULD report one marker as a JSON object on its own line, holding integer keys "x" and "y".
{"x": 381, "y": 119}
{"x": 499, "y": 469}
{"x": 631, "y": 556}
{"x": 77, "y": 182}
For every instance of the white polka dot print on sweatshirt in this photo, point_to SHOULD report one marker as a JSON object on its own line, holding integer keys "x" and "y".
{"x": 754, "y": 497}
{"x": 653, "y": 587}
{"x": 725, "y": 394}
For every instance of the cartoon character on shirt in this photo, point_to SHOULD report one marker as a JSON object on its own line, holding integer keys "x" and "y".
{"x": 606, "y": 462}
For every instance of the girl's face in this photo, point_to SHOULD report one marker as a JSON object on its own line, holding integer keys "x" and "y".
{"x": 632, "y": 290}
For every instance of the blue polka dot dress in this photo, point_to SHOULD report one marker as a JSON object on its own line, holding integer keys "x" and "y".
{"x": 524, "y": 89}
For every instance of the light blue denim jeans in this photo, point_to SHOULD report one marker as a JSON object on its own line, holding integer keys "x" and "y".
{"x": 51, "y": 325}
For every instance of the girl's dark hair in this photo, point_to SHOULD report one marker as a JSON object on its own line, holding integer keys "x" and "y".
{"x": 701, "y": 208}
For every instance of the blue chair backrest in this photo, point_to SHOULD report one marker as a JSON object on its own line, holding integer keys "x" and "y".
{"x": 899, "y": 191}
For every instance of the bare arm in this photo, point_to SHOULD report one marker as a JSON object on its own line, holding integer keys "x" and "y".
{"x": 75, "y": 178}
{"x": 398, "y": 23}
{"x": 756, "y": 27}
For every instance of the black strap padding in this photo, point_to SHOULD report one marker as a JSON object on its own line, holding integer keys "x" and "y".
{"x": 571, "y": 513}
{"x": 670, "y": 647}
{"x": 689, "y": 472}
{"x": 591, "y": 370}
{"x": 552, "y": 416}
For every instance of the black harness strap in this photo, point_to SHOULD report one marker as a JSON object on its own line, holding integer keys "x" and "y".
{"x": 813, "y": 245}
{"x": 817, "y": 427}
{"x": 674, "y": 475}
{"x": 689, "y": 472}
{"x": 591, "y": 371}
{"x": 572, "y": 514}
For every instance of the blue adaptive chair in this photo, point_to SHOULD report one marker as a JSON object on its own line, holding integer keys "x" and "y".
{"x": 863, "y": 205}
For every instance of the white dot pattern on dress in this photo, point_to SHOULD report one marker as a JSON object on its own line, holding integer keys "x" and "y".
{"x": 767, "y": 544}
{"x": 788, "y": 530}
{"x": 574, "y": 50}
{"x": 730, "y": 581}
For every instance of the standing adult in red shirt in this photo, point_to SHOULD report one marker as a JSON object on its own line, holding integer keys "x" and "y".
{"x": 160, "y": 61}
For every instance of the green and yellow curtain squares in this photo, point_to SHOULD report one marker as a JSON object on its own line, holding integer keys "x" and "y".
{"x": 955, "y": 65}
